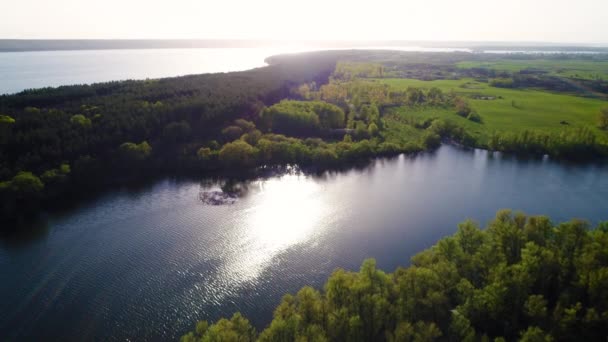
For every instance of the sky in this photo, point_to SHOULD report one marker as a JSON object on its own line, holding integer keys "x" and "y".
{"x": 580, "y": 21}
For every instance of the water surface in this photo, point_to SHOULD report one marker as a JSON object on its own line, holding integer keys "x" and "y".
{"x": 145, "y": 264}
{"x": 27, "y": 70}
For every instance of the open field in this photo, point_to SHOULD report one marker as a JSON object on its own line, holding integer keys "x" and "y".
{"x": 400, "y": 132}
{"x": 581, "y": 69}
{"x": 510, "y": 110}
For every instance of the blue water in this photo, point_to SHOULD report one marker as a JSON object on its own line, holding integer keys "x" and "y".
{"x": 26, "y": 70}
{"x": 146, "y": 263}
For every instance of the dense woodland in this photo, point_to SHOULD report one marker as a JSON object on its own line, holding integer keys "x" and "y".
{"x": 316, "y": 110}
{"x": 58, "y": 139}
{"x": 522, "y": 278}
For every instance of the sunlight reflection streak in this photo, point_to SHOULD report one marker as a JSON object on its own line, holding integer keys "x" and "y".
{"x": 289, "y": 213}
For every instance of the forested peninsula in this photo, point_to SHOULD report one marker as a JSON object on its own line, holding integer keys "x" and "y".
{"x": 521, "y": 278}
{"x": 315, "y": 110}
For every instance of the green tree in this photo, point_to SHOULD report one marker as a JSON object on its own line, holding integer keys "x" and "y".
{"x": 132, "y": 152}
{"x": 291, "y": 117}
{"x": 361, "y": 131}
{"x": 26, "y": 184}
{"x": 302, "y": 117}
{"x": 238, "y": 153}
{"x": 330, "y": 116}
{"x": 373, "y": 130}
{"x": 435, "y": 95}
{"x": 6, "y": 120}
{"x": 462, "y": 107}
{"x": 252, "y": 137}
{"x": 603, "y": 118}
{"x": 536, "y": 307}
{"x": 204, "y": 153}
{"x": 415, "y": 96}
{"x": 232, "y": 132}
{"x": 237, "y": 329}
{"x": 6, "y": 123}
{"x": 57, "y": 175}
{"x": 502, "y": 82}
{"x": 473, "y": 116}
{"x": 535, "y": 334}
{"x": 80, "y": 120}
{"x": 369, "y": 112}
{"x": 460, "y": 328}
{"x": 177, "y": 131}
{"x": 245, "y": 125}
{"x": 431, "y": 140}
{"x": 426, "y": 332}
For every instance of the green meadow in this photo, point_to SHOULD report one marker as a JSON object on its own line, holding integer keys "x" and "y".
{"x": 508, "y": 110}
{"x": 582, "y": 69}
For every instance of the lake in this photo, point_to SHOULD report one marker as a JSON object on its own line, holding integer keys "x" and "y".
{"x": 146, "y": 263}
{"x": 37, "y": 69}
{"x": 26, "y": 70}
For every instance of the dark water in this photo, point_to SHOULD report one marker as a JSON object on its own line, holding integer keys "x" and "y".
{"x": 146, "y": 264}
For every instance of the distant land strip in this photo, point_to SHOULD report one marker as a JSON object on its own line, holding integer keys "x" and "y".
{"x": 21, "y": 45}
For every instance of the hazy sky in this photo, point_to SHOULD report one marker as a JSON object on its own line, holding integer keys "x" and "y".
{"x": 583, "y": 21}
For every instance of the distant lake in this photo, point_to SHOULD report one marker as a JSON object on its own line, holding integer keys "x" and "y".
{"x": 146, "y": 263}
{"x": 27, "y": 70}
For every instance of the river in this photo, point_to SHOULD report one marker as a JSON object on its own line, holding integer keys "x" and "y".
{"x": 146, "y": 263}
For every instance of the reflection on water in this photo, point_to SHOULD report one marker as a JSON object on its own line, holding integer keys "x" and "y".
{"x": 273, "y": 215}
{"x": 20, "y": 238}
{"x": 288, "y": 210}
{"x": 145, "y": 264}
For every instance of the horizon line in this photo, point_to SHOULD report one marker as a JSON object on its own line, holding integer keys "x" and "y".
{"x": 321, "y": 40}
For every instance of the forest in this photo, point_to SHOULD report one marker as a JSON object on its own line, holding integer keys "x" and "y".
{"x": 315, "y": 110}
{"x": 60, "y": 140}
{"x": 521, "y": 278}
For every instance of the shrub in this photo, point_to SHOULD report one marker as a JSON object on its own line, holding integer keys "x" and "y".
{"x": 603, "y": 118}
{"x": 462, "y": 107}
{"x": 502, "y": 83}
{"x": 473, "y": 116}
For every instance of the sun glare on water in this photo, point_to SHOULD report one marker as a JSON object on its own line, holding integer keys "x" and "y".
{"x": 290, "y": 212}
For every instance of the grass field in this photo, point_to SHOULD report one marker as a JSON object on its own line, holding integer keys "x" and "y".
{"x": 399, "y": 132}
{"x": 564, "y": 68}
{"x": 510, "y": 110}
